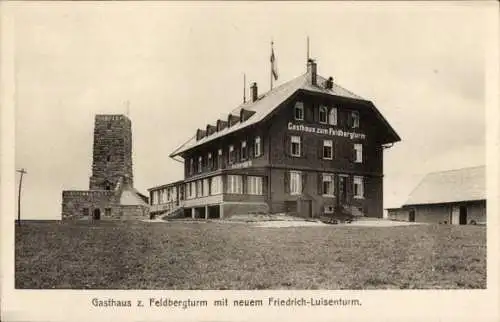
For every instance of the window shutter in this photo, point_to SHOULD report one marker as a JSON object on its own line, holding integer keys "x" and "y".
{"x": 250, "y": 149}
{"x": 304, "y": 180}
{"x": 286, "y": 180}
{"x": 320, "y": 183}
{"x": 302, "y": 147}
{"x": 287, "y": 148}
{"x": 315, "y": 113}
{"x": 349, "y": 119}
{"x": 320, "y": 149}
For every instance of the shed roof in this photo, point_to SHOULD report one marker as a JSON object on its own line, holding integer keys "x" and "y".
{"x": 269, "y": 101}
{"x": 466, "y": 184}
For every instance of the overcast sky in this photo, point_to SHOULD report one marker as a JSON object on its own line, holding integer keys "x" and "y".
{"x": 181, "y": 66}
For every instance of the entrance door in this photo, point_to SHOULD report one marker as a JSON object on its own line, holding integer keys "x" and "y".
{"x": 412, "y": 216}
{"x": 342, "y": 190}
{"x": 307, "y": 208}
{"x": 463, "y": 215}
{"x": 97, "y": 214}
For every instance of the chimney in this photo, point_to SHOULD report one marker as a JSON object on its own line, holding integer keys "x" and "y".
{"x": 329, "y": 83}
{"x": 254, "y": 92}
{"x": 312, "y": 71}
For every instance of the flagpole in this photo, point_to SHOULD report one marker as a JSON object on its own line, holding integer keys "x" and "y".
{"x": 271, "y": 69}
{"x": 244, "y": 88}
{"x": 307, "y": 48}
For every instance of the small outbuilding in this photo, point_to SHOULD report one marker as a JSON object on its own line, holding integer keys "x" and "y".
{"x": 455, "y": 197}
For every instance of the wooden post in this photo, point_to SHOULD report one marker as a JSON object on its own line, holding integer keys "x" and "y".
{"x": 22, "y": 171}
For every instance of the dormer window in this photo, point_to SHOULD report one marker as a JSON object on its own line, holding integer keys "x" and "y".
{"x": 323, "y": 114}
{"x": 332, "y": 116}
{"x": 299, "y": 111}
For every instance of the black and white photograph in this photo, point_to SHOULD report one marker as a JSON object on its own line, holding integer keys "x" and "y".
{"x": 276, "y": 148}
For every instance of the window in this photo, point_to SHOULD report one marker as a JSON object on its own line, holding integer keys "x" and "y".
{"x": 209, "y": 161}
{"x": 358, "y": 151}
{"x": 295, "y": 182}
{"x": 206, "y": 188}
{"x": 199, "y": 188}
{"x": 355, "y": 119}
{"x": 231, "y": 154}
{"x": 85, "y": 212}
{"x": 328, "y": 185}
{"x": 295, "y": 146}
{"x": 254, "y": 185}
{"x": 109, "y": 125}
{"x": 107, "y": 212}
{"x": 299, "y": 111}
{"x": 108, "y": 158}
{"x": 332, "y": 117}
{"x": 257, "y": 147}
{"x": 234, "y": 184}
{"x": 191, "y": 190}
{"x": 358, "y": 187}
{"x": 218, "y": 164}
{"x": 200, "y": 163}
{"x": 323, "y": 114}
{"x": 243, "y": 150}
{"x": 216, "y": 185}
{"x": 191, "y": 166}
{"x": 327, "y": 149}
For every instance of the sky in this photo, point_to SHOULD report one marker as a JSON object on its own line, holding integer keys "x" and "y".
{"x": 181, "y": 65}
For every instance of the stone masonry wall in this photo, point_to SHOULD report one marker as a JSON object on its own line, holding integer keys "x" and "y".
{"x": 112, "y": 152}
{"x": 77, "y": 204}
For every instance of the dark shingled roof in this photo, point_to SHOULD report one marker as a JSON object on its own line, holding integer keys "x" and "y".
{"x": 269, "y": 101}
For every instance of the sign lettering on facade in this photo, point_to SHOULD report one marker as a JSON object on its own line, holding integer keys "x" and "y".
{"x": 328, "y": 131}
{"x": 241, "y": 165}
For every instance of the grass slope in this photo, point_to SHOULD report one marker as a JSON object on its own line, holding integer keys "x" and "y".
{"x": 177, "y": 255}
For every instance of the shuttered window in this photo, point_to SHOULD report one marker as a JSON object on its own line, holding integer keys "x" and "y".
{"x": 358, "y": 153}
{"x": 358, "y": 187}
{"x": 328, "y": 186}
{"x": 328, "y": 149}
{"x": 295, "y": 146}
{"x": 295, "y": 182}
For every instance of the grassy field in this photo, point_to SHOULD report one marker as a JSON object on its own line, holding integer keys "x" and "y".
{"x": 212, "y": 255}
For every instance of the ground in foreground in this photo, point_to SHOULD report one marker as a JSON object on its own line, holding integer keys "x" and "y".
{"x": 215, "y": 255}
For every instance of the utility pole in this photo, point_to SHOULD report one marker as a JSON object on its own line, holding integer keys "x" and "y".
{"x": 22, "y": 171}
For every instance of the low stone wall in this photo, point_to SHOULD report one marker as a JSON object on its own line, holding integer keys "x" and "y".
{"x": 77, "y": 204}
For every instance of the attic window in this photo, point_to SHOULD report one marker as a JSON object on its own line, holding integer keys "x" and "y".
{"x": 299, "y": 111}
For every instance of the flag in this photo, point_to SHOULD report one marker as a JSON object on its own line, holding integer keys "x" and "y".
{"x": 274, "y": 68}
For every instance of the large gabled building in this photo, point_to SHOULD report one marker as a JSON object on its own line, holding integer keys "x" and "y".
{"x": 455, "y": 197}
{"x": 306, "y": 147}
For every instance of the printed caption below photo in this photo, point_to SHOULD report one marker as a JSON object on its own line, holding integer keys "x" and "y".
{"x": 192, "y": 303}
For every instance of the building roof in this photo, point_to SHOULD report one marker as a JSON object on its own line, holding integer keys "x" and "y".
{"x": 467, "y": 184}
{"x": 269, "y": 101}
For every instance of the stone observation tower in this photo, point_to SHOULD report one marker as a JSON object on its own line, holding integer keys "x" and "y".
{"x": 111, "y": 193}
